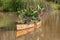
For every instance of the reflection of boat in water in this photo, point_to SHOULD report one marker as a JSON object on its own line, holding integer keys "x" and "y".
{"x": 23, "y": 29}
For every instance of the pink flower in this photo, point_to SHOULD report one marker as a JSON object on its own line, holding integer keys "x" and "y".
{"x": 42, "y": 14}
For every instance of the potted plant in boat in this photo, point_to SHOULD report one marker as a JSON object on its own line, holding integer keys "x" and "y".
{"x": 29, "y": 19}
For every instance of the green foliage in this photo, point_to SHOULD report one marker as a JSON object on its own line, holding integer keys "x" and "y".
{"x": 20, "y": 4}
{"x": 29, "y": 11}
{"x": 16, "y": 5}
{"x": 30, "y": 15}
{"x": 9, "y": 5}
{"x": 0, "y": 3}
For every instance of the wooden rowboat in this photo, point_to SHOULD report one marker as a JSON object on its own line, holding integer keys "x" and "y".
{"x": 23, "y": 29}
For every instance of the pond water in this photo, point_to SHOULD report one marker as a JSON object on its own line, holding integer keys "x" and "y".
{"x": 7, "y": 20}
{"x": 7, "y": 35}
{"x": 51, "y": 26}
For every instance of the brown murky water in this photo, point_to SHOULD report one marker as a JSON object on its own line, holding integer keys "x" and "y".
{"x": 7, "y": 35}
{"x": 51, "y": 26}
{"x": 8, "y": 20}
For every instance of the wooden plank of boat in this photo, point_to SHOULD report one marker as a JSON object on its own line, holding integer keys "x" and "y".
{"x": 23, "y": 29}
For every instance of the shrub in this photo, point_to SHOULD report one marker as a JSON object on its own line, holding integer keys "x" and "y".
{"x": 0, "y": 3}
{"x": 9, "y": 5}
{"x": 30, "y": 14}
